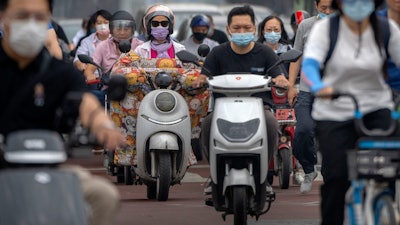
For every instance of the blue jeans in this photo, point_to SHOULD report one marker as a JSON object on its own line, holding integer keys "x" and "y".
{"x": 303, "y": 143}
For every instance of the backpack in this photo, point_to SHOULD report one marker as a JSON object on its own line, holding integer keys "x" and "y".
{"x": 384, "y": 33}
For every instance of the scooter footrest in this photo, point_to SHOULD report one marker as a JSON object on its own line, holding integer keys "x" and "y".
{"x": 270, "y": 196}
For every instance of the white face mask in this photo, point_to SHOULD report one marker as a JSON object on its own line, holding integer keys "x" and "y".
{"x": 27, "y": 37}
{"x": 103, "y": 29}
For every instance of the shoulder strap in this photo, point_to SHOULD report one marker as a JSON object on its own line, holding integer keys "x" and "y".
{"x": 333, "y": 34}
{"x": 384, "y": 33}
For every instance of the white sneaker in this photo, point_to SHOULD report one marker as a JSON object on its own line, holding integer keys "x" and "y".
{"x": 306, "y": 186}
{"x": 298, "y": 178}
{"x": 208, "y": 188}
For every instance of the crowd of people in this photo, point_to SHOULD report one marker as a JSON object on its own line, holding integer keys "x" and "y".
{"x": 358, "y": 65}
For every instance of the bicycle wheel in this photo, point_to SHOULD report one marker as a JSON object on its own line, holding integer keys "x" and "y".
{"x": 384, "y": 213}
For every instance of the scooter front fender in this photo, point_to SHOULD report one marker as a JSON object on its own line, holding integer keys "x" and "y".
{"x": 237, "y": 177}
{"x": 164, "y": 141}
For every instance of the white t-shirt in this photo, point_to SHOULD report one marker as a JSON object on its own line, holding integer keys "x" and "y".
{"x": 346, "y": 71}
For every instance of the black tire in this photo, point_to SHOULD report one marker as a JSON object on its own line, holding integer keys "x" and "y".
{"x": 270, "y": 177}
{"x": 128, "y": 175}
{"x": 384, "y": 212}
{"x": 197, "y": 149}
{"x": 120, "y": 174}
{"x": 151, "y": 191}
{"x": 239, "y": 205}
{"x": 164, "y": 175}
{"x": 284, "y": 162}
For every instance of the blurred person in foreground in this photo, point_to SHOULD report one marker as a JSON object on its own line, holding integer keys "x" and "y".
{"x": 27, "y": 68}
{"x": 356, "y": 67}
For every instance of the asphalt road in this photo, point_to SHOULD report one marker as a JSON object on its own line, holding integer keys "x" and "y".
{"x": 185, "y": 205}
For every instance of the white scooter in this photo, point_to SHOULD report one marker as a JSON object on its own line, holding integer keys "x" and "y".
{"x": 163, "y": 139}
{"x": 238, "y": 148}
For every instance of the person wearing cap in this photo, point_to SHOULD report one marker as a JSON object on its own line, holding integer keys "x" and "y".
{"x": 303, "y": 143}
{"x": 295, "y": 19}
{"x": 159, "y": 21}
{"x": 122, "y": 27}
{"x": 355, "y": 67}
{"x": 200, "y": 25}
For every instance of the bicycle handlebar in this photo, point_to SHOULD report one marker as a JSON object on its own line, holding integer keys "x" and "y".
{"x": 358, "y": 117}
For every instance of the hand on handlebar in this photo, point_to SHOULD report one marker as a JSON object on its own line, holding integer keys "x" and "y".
{"x": 280, "y": 81}
{"x": 199, "y": 82}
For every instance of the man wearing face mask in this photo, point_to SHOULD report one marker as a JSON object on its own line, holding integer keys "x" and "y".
{"x": 122, "y": 27}
{"x": 303, "y": 142}
{"x": 200, "y": 25}
{"x": 242, "y": 55}
{"x": 34, "y": 87}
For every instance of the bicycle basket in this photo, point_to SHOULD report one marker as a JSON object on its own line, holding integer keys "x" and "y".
{"x": 375, "y": 158}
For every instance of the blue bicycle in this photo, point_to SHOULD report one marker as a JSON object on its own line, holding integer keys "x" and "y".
{"x": 373, "y": 168}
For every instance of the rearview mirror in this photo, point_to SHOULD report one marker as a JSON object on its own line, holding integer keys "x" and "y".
{"x": 124, "y": 46}
{"x": 87, "y": 59}
{"x": 117, "y": 87}
{"x": 187, "y": 57}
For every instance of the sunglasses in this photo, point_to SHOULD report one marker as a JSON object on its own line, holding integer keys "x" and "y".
{"x": 157, "y": 23}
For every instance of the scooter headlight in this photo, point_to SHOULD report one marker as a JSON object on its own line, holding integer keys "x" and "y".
{"x": 238, "y": 132}
{"x": 165, "y": 102}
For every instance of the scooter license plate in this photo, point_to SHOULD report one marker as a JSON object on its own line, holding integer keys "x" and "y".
{"x": 285, "y": 114}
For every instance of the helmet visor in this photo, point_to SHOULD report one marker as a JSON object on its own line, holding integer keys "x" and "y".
{"x": 121, "y": 24}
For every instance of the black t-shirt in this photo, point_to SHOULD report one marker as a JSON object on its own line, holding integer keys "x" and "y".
{"x": 222, "y": 60}
{"x": 59, "y": 79}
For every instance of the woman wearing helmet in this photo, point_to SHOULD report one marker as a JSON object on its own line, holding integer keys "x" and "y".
{"x": 200, "y": 24}
{"x": 159, "y": 23}
{"x": 356, "y": 67}
{"x": 122, "y": 27}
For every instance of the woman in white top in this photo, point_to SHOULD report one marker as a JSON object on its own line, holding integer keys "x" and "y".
{"x": 355, "y": 66}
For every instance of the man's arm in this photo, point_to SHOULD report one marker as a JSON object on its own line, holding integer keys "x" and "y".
{"x": 294, "y": 69}
{"x": 93, "y": 116}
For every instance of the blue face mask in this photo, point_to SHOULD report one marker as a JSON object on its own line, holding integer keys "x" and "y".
{"x": 242, "y": 39}
{"x": 322, "y": 15}
{"x": 358, "y": 10}
{"x": 272, "y": 37}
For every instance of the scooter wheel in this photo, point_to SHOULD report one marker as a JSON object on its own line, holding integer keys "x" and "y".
{"x": 270, "y": 178}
